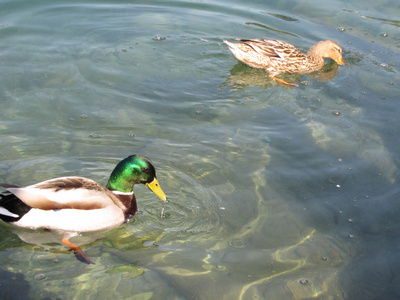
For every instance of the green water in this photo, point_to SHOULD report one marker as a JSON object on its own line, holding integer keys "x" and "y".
{"x": 274, "y": 192}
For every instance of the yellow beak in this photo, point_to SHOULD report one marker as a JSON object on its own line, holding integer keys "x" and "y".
{"x": 156, "y": 189}
{"x": 340, "y": 61}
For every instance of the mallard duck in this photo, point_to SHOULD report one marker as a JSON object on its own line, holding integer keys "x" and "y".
{"x": 72, "y": 205}
{"x": 279, "y": 57}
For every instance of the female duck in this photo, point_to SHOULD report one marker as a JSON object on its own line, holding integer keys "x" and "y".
{"x": 72, "y": 205}
{"x": 279, "y": 57}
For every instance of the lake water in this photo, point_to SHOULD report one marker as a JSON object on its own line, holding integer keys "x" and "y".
{"x": 274, "y": 192}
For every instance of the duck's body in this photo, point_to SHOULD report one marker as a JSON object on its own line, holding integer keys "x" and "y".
{"x": 278, "y": 57}
{"x": 70, "y": 204}
{"x": 76, "y": 204}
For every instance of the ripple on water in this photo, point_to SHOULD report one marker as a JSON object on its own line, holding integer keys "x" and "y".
{"x": 237, "y": 243}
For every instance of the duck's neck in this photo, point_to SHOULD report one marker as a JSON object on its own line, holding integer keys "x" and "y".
{"x": 119, "y": 184}
{"x": 315, "y": 62}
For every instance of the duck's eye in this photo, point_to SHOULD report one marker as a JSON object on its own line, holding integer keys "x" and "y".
{"x": 145, "y": 169}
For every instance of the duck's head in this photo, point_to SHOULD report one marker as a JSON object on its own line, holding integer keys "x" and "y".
{"x": 132, "y": 170}
{"x": 328, "y": 49}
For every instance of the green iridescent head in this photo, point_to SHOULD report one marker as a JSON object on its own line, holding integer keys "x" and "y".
{"x": 132, "y": 170}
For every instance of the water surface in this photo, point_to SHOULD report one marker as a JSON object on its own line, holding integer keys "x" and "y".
{"x": 275, "y": 192}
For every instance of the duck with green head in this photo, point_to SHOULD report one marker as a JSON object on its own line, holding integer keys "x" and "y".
{"x": 72, "y": 205}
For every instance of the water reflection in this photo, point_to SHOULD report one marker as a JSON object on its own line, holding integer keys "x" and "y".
{"x": 242, "y": 76}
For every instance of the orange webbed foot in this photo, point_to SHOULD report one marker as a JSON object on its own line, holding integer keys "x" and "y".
{"x": 79, "y": 254}
{"x": 282, "y": 81}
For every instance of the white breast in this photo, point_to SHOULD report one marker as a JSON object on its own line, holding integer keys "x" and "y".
{"x": 73, "y": 220}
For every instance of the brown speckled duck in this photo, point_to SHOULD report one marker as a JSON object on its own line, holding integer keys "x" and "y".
{"x": 279, "y": 57}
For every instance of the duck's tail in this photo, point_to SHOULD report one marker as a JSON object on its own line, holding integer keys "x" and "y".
{"x": 11, "y": 208}
{"x": 230, "y": 45}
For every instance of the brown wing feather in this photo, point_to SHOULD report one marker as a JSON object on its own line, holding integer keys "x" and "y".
{"x": 262, "y": 47}
{"x": 273, "y": 48}
{"x": 68, "y": 183}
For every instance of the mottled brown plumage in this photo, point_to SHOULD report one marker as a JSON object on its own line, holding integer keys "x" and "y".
{"x": 279, "y": 57}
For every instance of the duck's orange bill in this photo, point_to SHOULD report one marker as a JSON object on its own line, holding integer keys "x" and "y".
{"x": 340, "y": 61}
